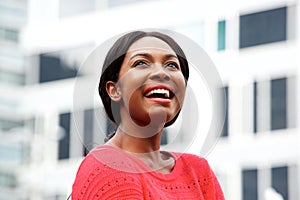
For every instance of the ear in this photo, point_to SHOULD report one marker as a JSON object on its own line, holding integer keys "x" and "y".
{"x": 113, "y": 91}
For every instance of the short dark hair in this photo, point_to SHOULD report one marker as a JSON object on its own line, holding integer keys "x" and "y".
{"x": 113, "y": 62}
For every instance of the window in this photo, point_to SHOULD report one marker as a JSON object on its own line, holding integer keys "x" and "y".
{"x": 280, "y": 180}
{"x": 249, "y": 187}
{"x": 7, "y": 125}
{"x": 88, "y": 131}
{"x": 263, "y": 27}
{"x": 64, "y": 142}
{"x": 12, "y": 77}
{"x": 7, "y": 180}
{"x": 15, "y": 10}
{"x": 12, "y": 35}
{"x": 255, "y": 107}
{"x": 267, "y": 182}
{"x": 164, "y": 137}
{"x": 225, "y": 109}
{"x": 271, "y": 110}
{"x": 52, "y": 68}
{"x": 278, "y": 104}
{"x": 14, "y": 153}
{"x": 9, "y": 34}
{"x": 110, "y": 127}
{"x": 221, "y": 35}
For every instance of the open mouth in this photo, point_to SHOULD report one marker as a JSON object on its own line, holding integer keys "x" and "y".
{"x": 160, "y": 93}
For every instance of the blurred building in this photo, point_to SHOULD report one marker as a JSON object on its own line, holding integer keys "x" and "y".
{"x": 45, "y": 132}
{"x": 14, "y": 128}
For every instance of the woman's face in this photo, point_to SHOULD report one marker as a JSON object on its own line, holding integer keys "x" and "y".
{"x": 151, "y": 84}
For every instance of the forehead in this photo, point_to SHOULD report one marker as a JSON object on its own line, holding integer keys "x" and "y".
{"x": 150, "y": 43}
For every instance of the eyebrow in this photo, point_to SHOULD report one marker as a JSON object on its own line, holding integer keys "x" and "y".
{"x": 147, "y": 55}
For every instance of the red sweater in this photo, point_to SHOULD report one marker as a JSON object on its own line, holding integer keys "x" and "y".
{"x": 109, "y": 173}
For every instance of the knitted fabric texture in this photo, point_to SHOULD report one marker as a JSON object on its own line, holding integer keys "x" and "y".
{"x": 109, "y": 173}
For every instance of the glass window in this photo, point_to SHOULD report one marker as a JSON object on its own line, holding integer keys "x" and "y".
{"x": 88, "y": 131}
{"x": 249, "y": 187}
{"x": 51, "y": 69}
{"x": 280, "y": 180}
{"x": 15, "y": 10}
{"x": 263, "y": 27}
{"x": 16, "y": 153}
{"x": 7, "y": 180}
{"x": 12, "y": 35}
{"x": 225, "y": 109}
{"x": 255, "y": 107}
{"x": 164, "y": 137}
{"x": 110, "y": 127}
{"x": 278, "y": 103}
{"x": 8, "y": 77}
{"x": 7, "y": 125}
{"x": 221, "y": 35}
{"x": 64, "y": 142}
{"x": 9, "y": 34}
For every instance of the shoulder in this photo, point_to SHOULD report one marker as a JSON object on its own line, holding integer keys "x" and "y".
{"x": 199, "y": 168}
{"x": 191, "y": 160}
{"x": 206, "y": 177}
{"x": 100, "y": 176}
{"x": 196, "y": 167}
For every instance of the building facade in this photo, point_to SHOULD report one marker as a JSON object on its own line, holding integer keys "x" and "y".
{"x": 50, "y": 121}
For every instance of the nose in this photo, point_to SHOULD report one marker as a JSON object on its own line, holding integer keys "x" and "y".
{"x": 159, "y": 73}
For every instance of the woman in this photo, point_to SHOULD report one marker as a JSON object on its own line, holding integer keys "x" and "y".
{"x": 142, "y": 88}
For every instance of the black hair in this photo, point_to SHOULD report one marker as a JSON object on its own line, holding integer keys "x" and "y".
{"x": 113, "y": 62}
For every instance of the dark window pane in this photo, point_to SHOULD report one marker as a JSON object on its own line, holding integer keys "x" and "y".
{"x": 225, "y": 126}
{"x": 255, "y": 107}
{"x": 280, "y": 180}
{"x": 221, "y": 35}
{"x": 64, "y": 142}
{"x": 263, "y": 27}
{"x": 51, "y": 69}
{"x": 164, "y": 137}
{"x": 278, "y": 104}
{"x": 249, "y": 181}
{"x": 110, "y": 127}
{"x": 88, "y": 131}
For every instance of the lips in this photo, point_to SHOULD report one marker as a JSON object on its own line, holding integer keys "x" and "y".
{"x": 159, "y": 91}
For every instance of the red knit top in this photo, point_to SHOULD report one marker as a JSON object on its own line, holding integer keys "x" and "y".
{"x": 109, "y": 173}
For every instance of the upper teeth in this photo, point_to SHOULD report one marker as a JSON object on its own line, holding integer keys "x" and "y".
{"x": 159, "y": 91}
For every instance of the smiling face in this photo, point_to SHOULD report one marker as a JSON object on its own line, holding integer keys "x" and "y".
{"x": 151, "y": 86}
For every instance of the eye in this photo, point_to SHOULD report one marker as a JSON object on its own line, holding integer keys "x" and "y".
{"x": 172, "y": 65}
{"x": 140, "y": 63}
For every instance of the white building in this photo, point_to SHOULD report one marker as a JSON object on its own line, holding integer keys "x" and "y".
{"x": 254, "y": 45}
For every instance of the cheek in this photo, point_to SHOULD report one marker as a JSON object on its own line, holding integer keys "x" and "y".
{"x": 137, "y": 111}
{"x": 181, "y": 86}
{"x": 131, "y": 93}
{"x": 131, "y": 81}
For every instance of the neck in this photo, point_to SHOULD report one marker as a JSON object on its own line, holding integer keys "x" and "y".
{"x": 146, "y": 149}
{"x": 136, "y": 142}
